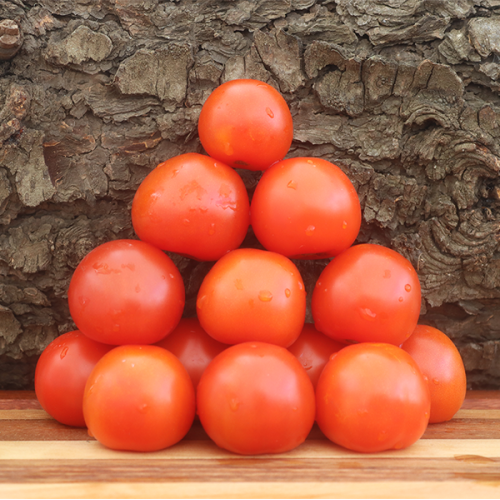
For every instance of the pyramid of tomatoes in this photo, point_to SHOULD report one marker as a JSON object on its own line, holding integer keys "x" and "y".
{"x": 137, "y": 373}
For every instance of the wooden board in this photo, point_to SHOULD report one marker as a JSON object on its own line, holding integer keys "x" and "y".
{"x": 40, "y": 458}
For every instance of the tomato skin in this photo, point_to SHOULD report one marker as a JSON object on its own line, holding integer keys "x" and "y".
{"x": 305, "y": 208}
{"x": 313, "y": 350}
{"x": 372, "y": 397}
{"x": 139, "y": 398}
{"x": 439, "y": 361}
{"x": 61, "y": 373}
{"x": 246, "y": 124}
{"x": 368, "y": 293}
{"x": 193, "y": 205}
{"x": 126, "y": 292}
{"x": 192, "y": 345}
{"x": 252, "y": 295}
{"x": 256, "y": 398}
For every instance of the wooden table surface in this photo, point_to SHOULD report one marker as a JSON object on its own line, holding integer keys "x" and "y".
{"x": 40, "y": 458}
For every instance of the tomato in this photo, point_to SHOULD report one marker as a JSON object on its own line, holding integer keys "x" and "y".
{"x": 372, "y": 397}
{"x": 61, "y": 373}
{"x": 305, "y": 208}
{"x": 252, "y": 295}
{"x": 368, "y": 293}
{"x": 139, "y": 398}
{"x": 126, "y": 292}
{"x": 246, "y": 124}
{"x": 192, "y": 346}
{"x": 256, "y": 398}
{"x": 192, "y": 205}
{"x": 440, "y": 361}
{"x": 313, "y": 350}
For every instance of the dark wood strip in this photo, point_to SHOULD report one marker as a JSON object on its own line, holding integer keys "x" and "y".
{"x": 482, "y": 400}
{"x": 363, "y": 468}
{"x": 40, "y": 430}
{"x": 461, "y": 428}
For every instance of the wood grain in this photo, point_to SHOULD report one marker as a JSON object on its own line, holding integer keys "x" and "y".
{"x": 41, "y": 458}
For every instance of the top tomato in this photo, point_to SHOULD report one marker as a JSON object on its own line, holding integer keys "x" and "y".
{"x": 246, "y": 124}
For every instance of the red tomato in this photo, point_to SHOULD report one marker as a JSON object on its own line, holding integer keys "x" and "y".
{"x": 126, "y": 292}
{"x": 313, "y": 350}
{"x": 256, "y": 398}
{"x": 252, "y": 295}
{"x": 305, "y": 208}
{"x": 372, "y": 397}
{"x": 368, "y": 293}
{"x": 439, "y": 361}
{"x": 139, "y": 398}
{"x": 61, "y": 373}
{"x": 192, "y": 346}
{"x": 246, "y": 124}
{"x": 192, "y": 205}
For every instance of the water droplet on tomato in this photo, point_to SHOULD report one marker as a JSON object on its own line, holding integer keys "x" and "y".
{"x": 186, "y": 222}
{"x": 238, "y": 284}
{"x": 200, "y": 301}
{"x": 287, "y": 292}
{"x": 211, "y": 229}
{"x": 143, "y": 408}
{"x": 64, "y": 352}
{"x": 435, "y": 381}
{"x": 171, "y": 275}
{"x": 310, "y": 162}
{"x": 269, "y": 112}
{"x": 301, "y": 285}
{"x": 408, "y": 288}
{"x": 265, "y": 296}
{"x": 310, "y": 230}
{"x": 175, "y": 171}
{"x": 367, "y": 314}
{"x": 344, "y": 225}
{"x": 400, "y": 299}
{"x": 292, "y": 185}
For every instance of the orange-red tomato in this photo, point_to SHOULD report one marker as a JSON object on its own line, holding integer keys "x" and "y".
{"x": 305, "y": 208}
{"x": 313, "y": 349}
{"x": 246, "y": 124}
{"x": 126, "y": 292}
{"x": 256, "y": 398}
{"x": 372, "y": 397}
{"x": 62, "y": 372}
{"x": 192, "y": 346}
{"x": 139, "y": 398}
{"x": 368, "y": 293}
{"x": 252, "y": 295}
{"x": 193, "y": 205}
{"x": 440, "y": 361}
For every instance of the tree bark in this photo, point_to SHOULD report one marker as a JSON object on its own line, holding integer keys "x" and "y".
{"x": 402, "y": 95}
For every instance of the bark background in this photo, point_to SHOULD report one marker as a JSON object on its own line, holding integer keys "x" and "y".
{"x": 402, "y": 94}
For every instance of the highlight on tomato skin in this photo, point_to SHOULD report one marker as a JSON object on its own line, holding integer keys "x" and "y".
{"x": 372, "y": 397}
{"x": 193, "y": 205}
{"x": 61, "y": 373}
{"x": 252, "y": 295}
{"x": 246, "y": 124}
{"x": 368, "y": 293}
{"x": 313, "y": 350}
{"x": 256, "y": 398}
{"x": 126, "y": 292}
{"x": 139, "y": 398}
{"x": 440, "y": 361}
{"x": 305, "y": 208}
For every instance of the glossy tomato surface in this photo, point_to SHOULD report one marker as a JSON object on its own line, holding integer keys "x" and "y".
{"x": 372, "y": 397}
{"x": 192, "y": 346}
{"x": 126, "y": 292}
{"x": 368, "y": 293}
{"x": 139, "y": 398}
{"x": 193, "y": 205}
{"x": 61, "y": 373}
{"x": 256, "y": 398}
{"x": 313, "y": 350}
{"x": 246, "y": 124}
{"x": 440, "y": 361}
{"x": 252, "y": 295}
{"x": 305, "y": 208}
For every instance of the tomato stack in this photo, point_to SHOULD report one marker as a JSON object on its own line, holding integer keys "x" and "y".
{"x": 136, "y": 373}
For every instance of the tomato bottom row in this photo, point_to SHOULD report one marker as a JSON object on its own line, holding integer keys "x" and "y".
{"x": 253, "y": 397}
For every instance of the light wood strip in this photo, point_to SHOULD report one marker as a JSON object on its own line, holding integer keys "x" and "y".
{"x": 24, "y": 415}
{"x": 384, "y": 489}
{"x": 472, "y": 414}
{"x": 92, "y": 450}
